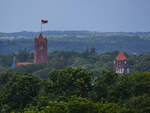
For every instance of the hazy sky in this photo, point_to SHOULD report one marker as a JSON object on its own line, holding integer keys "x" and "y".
{"x": 93, "y": 15}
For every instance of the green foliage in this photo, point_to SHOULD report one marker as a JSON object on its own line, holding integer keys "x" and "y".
{"x": 77, "y": 41}
{"x": 139, "y": 104}
{"x": 112, "y": 108}
{"x": 140, "y": 83}
{"x": 4, "y": 77}
{"x": 24, "y": 55}
{"x": 73, "y": 90}
{"x": 113, "y": 88}
{"x": 108, "y": 108}
{"x": 6, "y": 60}
{"x": 104, "y": 83}
{"x": 61, "y": 59}
{"x": 20, "y": 91}
{"x": 55, "y": 107}
{"x": 121, "y": 90}
{"x": 81, "y": 105}
{"x": 67, "y": 82}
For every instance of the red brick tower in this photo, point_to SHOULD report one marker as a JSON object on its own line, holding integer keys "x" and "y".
{"x": 40, "y": 51}
{"x": 121, "y": 64}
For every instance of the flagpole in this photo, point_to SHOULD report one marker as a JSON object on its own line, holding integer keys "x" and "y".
{"x": 41, "y": 27}
{"x": 43, "y": 22}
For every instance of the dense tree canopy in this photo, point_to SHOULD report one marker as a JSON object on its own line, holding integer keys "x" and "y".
{"x": 62, "y": 86}
{"x": 20, "y": 91}
{"x": 71, "y": 81}
{"x": 73, "y": 90}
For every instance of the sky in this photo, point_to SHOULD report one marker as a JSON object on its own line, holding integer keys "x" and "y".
{"x": 92, "y": 15}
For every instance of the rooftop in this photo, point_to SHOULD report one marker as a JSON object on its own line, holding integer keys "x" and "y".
{"x": 121, "y": 56}
{"x": 41, "y": 37}
{"x": 23, "y": 63}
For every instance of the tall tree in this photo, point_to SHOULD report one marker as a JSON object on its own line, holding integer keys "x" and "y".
{"x": 71, "y": 81}
{"x": 20, "y": 91}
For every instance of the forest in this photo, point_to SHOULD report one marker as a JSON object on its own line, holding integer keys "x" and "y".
{"x": 88, "y": 59}
{"x": 73, "y": 82}
{"x": 78, "y": 41}
{"x": 74, "y": 90}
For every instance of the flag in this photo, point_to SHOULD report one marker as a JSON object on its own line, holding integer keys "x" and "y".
{"x": 44, "y": 21}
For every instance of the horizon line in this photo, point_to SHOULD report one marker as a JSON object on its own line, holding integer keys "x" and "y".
{"x": 79, "y": 31}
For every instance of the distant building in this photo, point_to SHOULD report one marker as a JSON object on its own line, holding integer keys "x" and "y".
{"x": 14, "y": 64}
{"x": 40, "y": 52}
{"x": 121, "y": 64}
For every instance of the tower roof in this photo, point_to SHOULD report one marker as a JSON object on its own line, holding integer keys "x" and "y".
{"x": 121, "y": 56}
{"x": 41, "y": 37}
